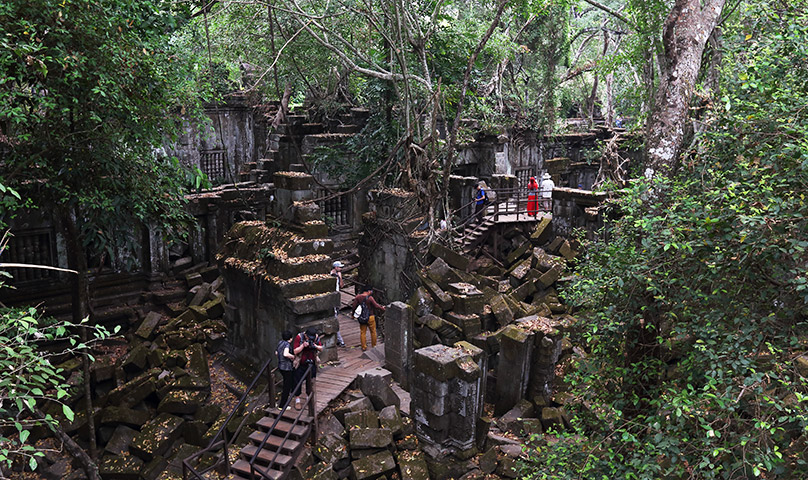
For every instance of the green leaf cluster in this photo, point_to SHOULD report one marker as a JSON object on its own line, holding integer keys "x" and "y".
{"x": 696, "y": 308}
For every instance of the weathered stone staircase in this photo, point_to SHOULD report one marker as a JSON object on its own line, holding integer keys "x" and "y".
{"x": 281, "y": 446}
{"x": 474, "y": 234}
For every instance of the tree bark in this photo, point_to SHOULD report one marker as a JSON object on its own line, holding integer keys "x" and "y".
{"x": 685, "y": 33}
{"x": 77, "y": 260}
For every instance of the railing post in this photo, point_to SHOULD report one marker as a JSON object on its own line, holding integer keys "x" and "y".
{"x": 271, "y": 388}
{"x": 312, "y": 405}
{"x": 226, "y": 455}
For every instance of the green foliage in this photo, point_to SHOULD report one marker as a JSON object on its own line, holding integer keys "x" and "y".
{"x": 29, "y": 378}
{"x": 83, "y": 101}
{"x": 697, "y": 304}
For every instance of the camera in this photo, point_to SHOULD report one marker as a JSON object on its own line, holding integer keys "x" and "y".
{"x": 311, "y": 340}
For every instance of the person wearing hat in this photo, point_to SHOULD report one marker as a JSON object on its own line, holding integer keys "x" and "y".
{"x": 546, "y": 192}
{"x": 369, "y": 304}
{"x": 307, "y": 345}
{"x": 336, "y": 271}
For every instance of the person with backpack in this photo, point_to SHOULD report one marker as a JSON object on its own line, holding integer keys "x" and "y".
{"x": 307, "y": 344}
{"x": 286, "y": 359}
{"x": 362, "y": 305}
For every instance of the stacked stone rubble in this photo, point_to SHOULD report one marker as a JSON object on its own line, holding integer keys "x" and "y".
{"x": 447, "y": 395}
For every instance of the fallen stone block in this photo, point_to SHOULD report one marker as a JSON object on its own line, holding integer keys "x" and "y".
{"x": 134, "y": 391}
{"x": 214, "y": 308}
{"x": 148, "y": 325}
{"x": 362, "y": 419}
{"x": 153, "y": 469}
{"x": 120, "y": 440}
{"x": 552, "y": 418}
{"x": 488, "y": 461}
{"x": 421, "y": 302}
{"x": 376, "y": 385}
{"x": 200, "y": 296}
{"x": 542, "y": 231}
{"x": 114, "y": 415}
{"x": 136, "y": 360}
{"x": 567, "y": 251}
{"x": 193, "y": 279}
{"x": 443, "y": 299}
{"x": 330, "y": 449}
{"x": 182, "y": 402}
{"x": 120, "y": 467}
{"x": 157, "y": 436}
{"x": 412, "y": 465}
{"x": 390, "y": 418}
{"x": 373, "y": 466}
{"x": 451, "y": 257}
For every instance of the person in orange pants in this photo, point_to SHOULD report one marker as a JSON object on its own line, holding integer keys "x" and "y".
{"x": 532, "y": 197}
{"x": 366, "y": 319}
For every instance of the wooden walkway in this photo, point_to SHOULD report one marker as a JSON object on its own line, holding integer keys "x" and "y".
{"x": 332, "y": 380}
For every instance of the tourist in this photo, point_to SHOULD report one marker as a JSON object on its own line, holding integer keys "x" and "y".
{"x": 480, "y": 198}
{"x": 307, "y": 345}
{"x": 336, "y": 271}
{"x": 366, "y": 318}
{"x": 546, "y": 192}
{"x": 532, "y": 197}
{"x": 286, "y": 365}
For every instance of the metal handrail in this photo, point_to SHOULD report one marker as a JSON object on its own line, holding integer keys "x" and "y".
{"x": 216, "y": 443}
{"x": 309, "y": 402}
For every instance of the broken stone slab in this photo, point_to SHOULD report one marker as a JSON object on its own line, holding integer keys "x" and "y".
{"x": 362, "y": 419}
{"x": 197, "y": 365}
{"x": 451, "y": 257}
{"x": 114, "y": 415}
{"x": 370, "y": 438}
{"x": 193, "y": 279}
{"x": 136, "y": 360}
{"x": 134, "y": 391}
{"x": 357, "y": 405}
{"x": 153, "y": 469}
{"x": 210, "y": 274}
{"x": 552, "y": 418}
{"x": 555, "y": 245}
{"x": 120, "y": 440}
{"x": 412, "y": 465}
{"x": 516, "y": 254}
{"x": 542, "y": 231}
{"x": 507, "y": 467}
{"x": 120, "y": 467}
{"x": 470, "y": 325}
{"x": 421, "y": 302}
{"x": 551, "y": 276}
{"x": 148, "y": 325}
{"x": 441, "y": 273}
{"x": 323, "y": 302}
{"x": 513, "y": 419}
{"x": 567, "y": 251}
{"x": 443, "y": 299}
{"x": 468, "y": 304}
{"x": 157, "y": 436}
{"x": 214, "y": 308}
{"x": 182, "y": 402}
{"x": 102, "y": 369}
{"x": 330, "y": 449}
{"x": 501, "y": 310}
{"x": 488, "y": 461}
{"x": 200, "y": 296}
{"x": 331, "y": 426}
{"x": 390, "y": 418}
{"x": 376, "y": 385}
{"x": 521, "y": 292}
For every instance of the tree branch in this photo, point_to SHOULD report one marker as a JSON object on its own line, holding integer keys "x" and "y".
{"x": 610, "y": 11}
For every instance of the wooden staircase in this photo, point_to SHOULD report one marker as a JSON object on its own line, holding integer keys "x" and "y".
{"x": 280, "y": 450}
{"x": 474, "y": 235}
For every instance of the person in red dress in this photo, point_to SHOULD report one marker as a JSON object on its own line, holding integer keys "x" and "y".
{"x": 532, "y": 197}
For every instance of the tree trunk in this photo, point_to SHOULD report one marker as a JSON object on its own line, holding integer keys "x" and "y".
{"x": 87, "y": 464}
{"x": 685, "y": 33}
{"x": 77, "y": 260}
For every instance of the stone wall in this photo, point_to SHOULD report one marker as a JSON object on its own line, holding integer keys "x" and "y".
{"x": 398, "y": 330}
{"x": 228, "y": 132}
{"x": 577, "y": 209}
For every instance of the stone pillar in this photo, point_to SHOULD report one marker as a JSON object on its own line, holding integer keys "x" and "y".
{"x": 398, "y": 331}
{"x": 513, "y": 371}
{"x": 547, "y": 351}
{"x": 447, "y": 396}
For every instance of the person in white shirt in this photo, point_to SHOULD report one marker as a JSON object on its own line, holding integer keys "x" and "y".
{"x": 546, "y": 192}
